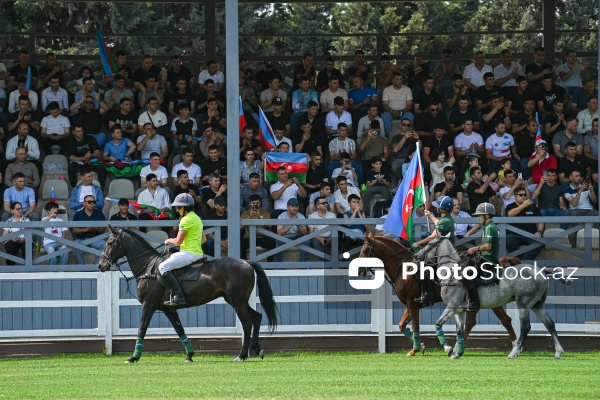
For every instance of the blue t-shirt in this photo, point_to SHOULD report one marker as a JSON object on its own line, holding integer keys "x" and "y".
{"x": 80, "y": 215}
{"x": 24, "y": 197}
{"x": 117, "y": 151}
{"x": 358, "y": 96}
{"x": 360, "y": 227}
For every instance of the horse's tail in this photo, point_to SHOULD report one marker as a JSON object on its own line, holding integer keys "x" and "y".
{"x": 265, "y": 294}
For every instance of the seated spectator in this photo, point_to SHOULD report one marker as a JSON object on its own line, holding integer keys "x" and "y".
{"x": 248, "y": 142}
{"x": 433, "y": 116}
{"x": 438, "y": 157}
{"x": 480, "y": 191}
{"x": 253, "y": 188}
{"x": 585, "y": 117}
{"x": 364, "y": 124}
{"x": 83, "y": 73}
{"x": 51, "y": 245}
{"x": 325, "y": 75}
{"x": 291, "y": 231}
{"x": 378, "y": 181}
{"x": 209, "y": 138}
{"x": 149, "y": 142}
{"x": 154, "y": 117}
{"x": 336, "y": 117}
{"x": 550, "y": 93}
{"x": 325, "y": 192}
{"x": 183, "y": 129}
{"x": 454, "y": 93}
{"x": 512, "y": 183}
{"x": 581, "y": 95}
{"x": 359, "y": 98}
{"x": 255, "y": 209}
{"x": 590, "y": 149}
{"x": 521, "y": 119}
{"x": 249, "y": 101}
{"x": 280, "y": 138}
{"x": 308, "y": 141}
{"x": 156, "y": 198}
{"x": 156, "y": 169}
{"x": 209, "y": 94}
{"x": 13, "y": 98}
{"x": 23, "y": 114}
{"x": 181, "y": 95}
{"x": 125, "y": 118}
{"x": 114, "y": 95}
{"x": 55, "y": 93}
{"x": 342, "y": 144}
{"x": 89, "y": 213}
{"x": 213, "y": 117}
{"x": 459, "y": 117}
{"x": 249, "y": 166}
{"x": 184, "y": 185}
{"x": 16, "y": 244}
{"x": 424, "y": 98}
{"x": 556, "y": 122}
{"x": 124, "y": 214}
{"x": 468, "y": 143}
{"x": 449, "y": 186}
{"x": 374, "y": 145}
{"x": 268, "y": 96}
{"x": 402, "y": 145}
{"x": 213, "y": 164}
{"x": 355, "y": 211}
{"x": 212, "y": 72}
{"x": 572, "y": 161}
{"x": 333, "y": 90}
{"x": 499, "y": 146}
{"x": 215, "y": 188}
{"x": 440, "y": 141}
{"x": 323, "y": 241}
{"x": 342, "y": 195}
{"x": 149, "y": 91}
{"x": 346, "y": 169}
{"x": 300, "y": 99}
{"x": 473, "y": 161}
{"x": 550, "y": 196}
{"x": 22, "y": 165}
{"x": 516, "y": 96}
{"x": 505, "y": 166}
{"x": 87, "y": 89}
{"x": 84, "y": 188}
{"x": 187, "y": 164}
{"x": 118, "y": 149}
{"x": 55, "y": 130}
{"x": 217, "y": 212}
{"x": 580, "y": 195}
{"x": 91, "y": 120}
{"x": 462, "y": 230}
{"x": 397, "y": 102}
{"x": 81, "y": 151}
{"x": 524, "y": 207}
{"x": 147, "y": 68}
{"x": 284, "y": 190}
{"x": 278, "y": 118}
{"x": 541, "y": 161}
{"x": 486, "y": 92}
{"x": 262, "y": 76}
{"x": 22, "y": 194}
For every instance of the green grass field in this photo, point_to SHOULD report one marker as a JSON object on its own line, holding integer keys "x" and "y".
{"x": 481, "y": 375}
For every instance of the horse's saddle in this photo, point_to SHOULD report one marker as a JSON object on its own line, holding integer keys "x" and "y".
{"x": 188, "y": 273}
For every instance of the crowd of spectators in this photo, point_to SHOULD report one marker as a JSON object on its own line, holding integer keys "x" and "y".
{"x": 511, "y": 134}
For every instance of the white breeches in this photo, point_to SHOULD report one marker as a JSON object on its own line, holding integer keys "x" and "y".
{"x": 178, "y": 260}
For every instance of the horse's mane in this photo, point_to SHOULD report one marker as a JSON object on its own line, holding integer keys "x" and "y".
{"x": 391, "y": 242}
{"x": 137, "y": 236}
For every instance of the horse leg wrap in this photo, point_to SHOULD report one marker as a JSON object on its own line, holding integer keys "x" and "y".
{"x": 417, "y": 341}
{"x": 440, "y": 334}
{"x": 460, "y": 345}
{"x": 408, "y": 334}
{"x": 187, "y": 344}
{"x": 139, "y": 344}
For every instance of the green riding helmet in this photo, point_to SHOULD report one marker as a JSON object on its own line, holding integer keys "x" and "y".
{"x": 485, "y": 209}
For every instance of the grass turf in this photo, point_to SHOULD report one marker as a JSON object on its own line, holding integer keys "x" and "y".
{"x": 479, "y": 374}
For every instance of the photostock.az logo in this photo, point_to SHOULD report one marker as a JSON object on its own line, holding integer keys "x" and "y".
{"x": 375, "y": 264}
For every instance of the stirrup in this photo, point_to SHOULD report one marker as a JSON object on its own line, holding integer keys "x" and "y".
{"x": 426, "y": 299}
{"x": 173, "y": 302}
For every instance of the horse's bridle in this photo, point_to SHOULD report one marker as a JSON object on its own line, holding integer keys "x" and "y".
{"x": 117, "y": 264}
{"x": 371, "y": 245}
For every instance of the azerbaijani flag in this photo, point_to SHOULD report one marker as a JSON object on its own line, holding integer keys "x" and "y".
{"x": 265, "y": 132}
{"x": 410, "y": 195}
{"x": 109, "y": 64}
{"x": 538, "y": 135}
{"x": 28, "y": 84}
{"x": 242, "y": 117}
{"x": 295, "y": 163}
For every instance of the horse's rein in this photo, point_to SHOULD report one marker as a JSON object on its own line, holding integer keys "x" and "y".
{"x": 390, "y": 281}
{"x": 117, "y": 264}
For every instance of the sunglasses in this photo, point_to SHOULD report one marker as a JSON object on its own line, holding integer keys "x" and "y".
{"x": 521, "y": 195}
{"x": 407, "y": 125}
{"x": 434, "y": 109}
{"x": 91, "y": 201}
{"x": 89, "y": 102}
{"x": 322, "y": 203}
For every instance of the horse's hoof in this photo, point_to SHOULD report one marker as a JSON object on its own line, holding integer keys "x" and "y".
{"x": 131, "y": 360}
{"x": 239, "y": 359}
{"x": 455, "y": 356}
{"x": 422, "y": 349}
{"x": 261, "y": 354}
{"x": 189, "y": 358}
{"x": 448, "y": 350}
{"x": 411, "y": 353}
{"x": 512, "y": 356}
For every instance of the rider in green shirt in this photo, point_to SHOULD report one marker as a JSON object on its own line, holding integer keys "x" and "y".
{"x": 490, "y": 245}
{"x": 444, "y": 226}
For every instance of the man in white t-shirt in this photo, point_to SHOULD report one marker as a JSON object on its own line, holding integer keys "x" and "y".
{"x": 342, "y": 144}
{"x": 284, "y": 190}
{"x": 211, "y": 72}
{"x": 323, "y": 241}
{"x": 193, "y": 170}
{"x": 397, "y": 102}
{"x": 153, "y": 115}
{"x": 467, "y": 143}
{"x": 154, "y": 168}
{"x": 337, "y": 116}
{"x": 499, "y": 146}
{"x": 341, "y": 195}
{"x": 473, "y": 75}
{"x": 150, "y": 142}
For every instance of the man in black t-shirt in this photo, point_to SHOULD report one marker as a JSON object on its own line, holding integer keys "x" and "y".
{"x": 213, "y": 164}
{"x": 538, "y": 68}
{"x": 186, "y": 187}
{"x": 521, "y": 119}
{"x": 433, "y": 116}
{"x": 124, "y": 214}
{"x": 459, "y": 116}
{"x": 148, "y": 69}
{"x": 214, "y": 189}
{"x": 524, "y": 207}
{"x": 181, "y": 95}
{"x": 485, "y": 93}
{"x": 450, "y": 187}
{"x": 176, "y": 72}
{"x": 550, "y": 93}
{"x": 125, "y": 118}
{"x": 479, "y": 191}
{"x": 20, "y": 71}
{"x": 81, "y": 149}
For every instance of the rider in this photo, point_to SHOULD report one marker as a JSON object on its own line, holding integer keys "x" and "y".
{"x": 444, "y": 226}
{"x": 488, "y": 249}
{"x": 190, "y": 239}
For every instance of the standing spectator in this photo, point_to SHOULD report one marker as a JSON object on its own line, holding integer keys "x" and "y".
{"x": 16, "y": 244}
{"x": 24, "y": 195}
{"x": 84, "y": 188}
{"x": 572, "y": 72}
{"x": 397, "y": 102}
{"x": 524, "y": 207}
{"x": 56, "y": 130}
{"x": 323, "y": 241}
{"x": 278, "y": 116}
{"x": 315, "y": 175}
{"x": 51, "y": 245}
{"x": 284, "y": 190}
{"x": 550, "y": 197}
{"x": 291, "y": 231}
{"x": 89, "y": 213}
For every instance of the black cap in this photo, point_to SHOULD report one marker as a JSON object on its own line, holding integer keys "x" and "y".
{"x": 277, "y": 101}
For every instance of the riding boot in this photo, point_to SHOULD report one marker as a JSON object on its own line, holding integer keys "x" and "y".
{"x": 171, "y": 283}
{"x": 427, "y": 297}
{"x": 471, "y": 287}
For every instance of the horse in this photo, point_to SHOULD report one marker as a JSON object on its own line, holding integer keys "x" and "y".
{"x": 528, "y": 289}
{"x": 225, "y": 277}
{"x": 393, "y": 254}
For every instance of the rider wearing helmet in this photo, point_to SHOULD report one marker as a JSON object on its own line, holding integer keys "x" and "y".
{"x": 490, "y": 244}
{"x": 189, "y": 239}
{"x": 444, "y": 226}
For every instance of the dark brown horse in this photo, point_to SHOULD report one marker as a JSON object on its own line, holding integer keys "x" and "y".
{"x": 393, "y": 254}
{"x": 224, "y": 277}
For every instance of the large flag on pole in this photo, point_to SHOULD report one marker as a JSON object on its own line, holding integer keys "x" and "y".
{"x": 538, "y": 135}
{"x": 265, "y": 132}
{"x": 410, "y": 195}
{"x": 295, "y": 163}
{"x": 242, "y": 117}
{"x": 109, "y": 64}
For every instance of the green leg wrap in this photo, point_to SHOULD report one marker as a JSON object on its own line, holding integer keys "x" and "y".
{"x": 460, "y": 345}
{"x": 186, "y": 343}
{"x": 417, "y": 341}
{"x": 408, "y": 334}
{"x": 440, "y": 334}
{"x": 139, "y": 344}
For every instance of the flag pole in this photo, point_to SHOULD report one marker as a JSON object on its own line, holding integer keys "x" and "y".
{"x": 418, "y": 151}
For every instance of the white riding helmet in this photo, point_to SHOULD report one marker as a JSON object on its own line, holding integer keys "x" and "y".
{"x": 485, "y": 209}
{"x": 182, "y": 200}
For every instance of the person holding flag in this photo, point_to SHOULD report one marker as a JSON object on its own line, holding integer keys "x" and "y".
{"x": 445, "y": 226}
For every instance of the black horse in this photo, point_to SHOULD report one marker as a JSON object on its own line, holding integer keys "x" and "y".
{"x": 224, "y": 277}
